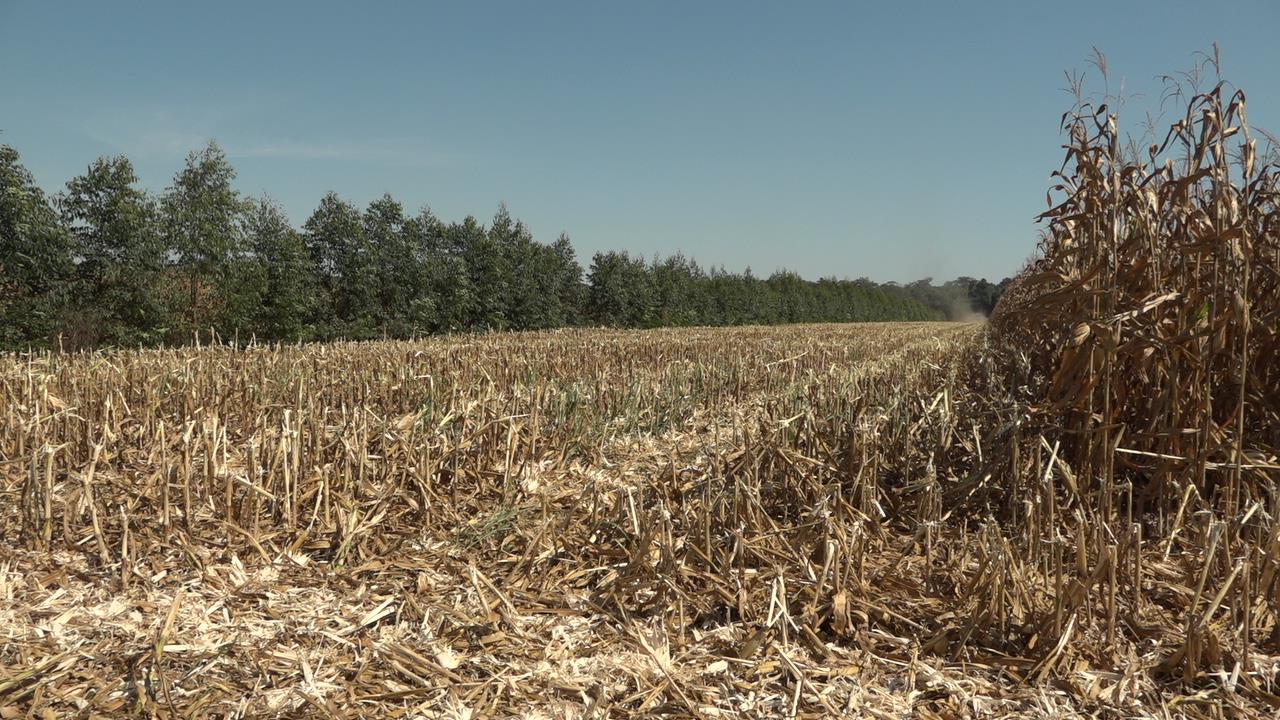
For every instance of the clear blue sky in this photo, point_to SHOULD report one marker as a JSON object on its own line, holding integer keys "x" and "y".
{"x": 893, "y": 140}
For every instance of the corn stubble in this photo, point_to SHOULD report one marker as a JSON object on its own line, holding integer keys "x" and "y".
{"x": 583, "y": 522}
{"x": 1068, "y": 512}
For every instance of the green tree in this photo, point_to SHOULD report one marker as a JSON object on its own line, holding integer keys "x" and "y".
{"x": 679, "y": 291}
{"x": 535, "y": 276}
{"x": 286, "y": 281}
{"x": 790, "y": 289}
{"x": 620, "y": 290}
{"x": 335, "y": 240}
{"x": 509, "y": 275}
{"x": 444, "y": 267}
{"x": 120, "y": 256}
{"x": 487, "y": 273}
{"x": 35, "y": 257}
{"x": 404, "y": 306}
{"x": 203, "y": 229}
{"x": 421, "y": 233}
{"x": 531, "y": 302}
{"x": 570, "y": 291}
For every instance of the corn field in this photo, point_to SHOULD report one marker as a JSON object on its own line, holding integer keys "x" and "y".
{"x": 382, "y": 528}
{"x": 588, "y": 523}
{"x": 1070, "y": 511}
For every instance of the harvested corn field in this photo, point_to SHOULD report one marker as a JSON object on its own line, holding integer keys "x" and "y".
{"x": 698, "y": 523}
{"x": 566, "y": 523}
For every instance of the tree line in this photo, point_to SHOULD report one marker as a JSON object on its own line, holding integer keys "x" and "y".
{"x": 104, "y": 262}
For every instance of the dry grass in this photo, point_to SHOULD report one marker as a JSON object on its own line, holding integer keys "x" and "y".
{"x": 585, "y": 522}
{"x": 717, "y": 523}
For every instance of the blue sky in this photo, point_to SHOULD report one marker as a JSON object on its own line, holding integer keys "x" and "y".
{"x": 892, "y": 140}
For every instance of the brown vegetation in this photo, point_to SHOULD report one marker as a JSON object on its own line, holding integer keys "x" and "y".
{"x": 1149, "y": 334}
{"x": 1071, "y": 513}
{"x": 689, "y": 522}
{"x": 608, "y": 521}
